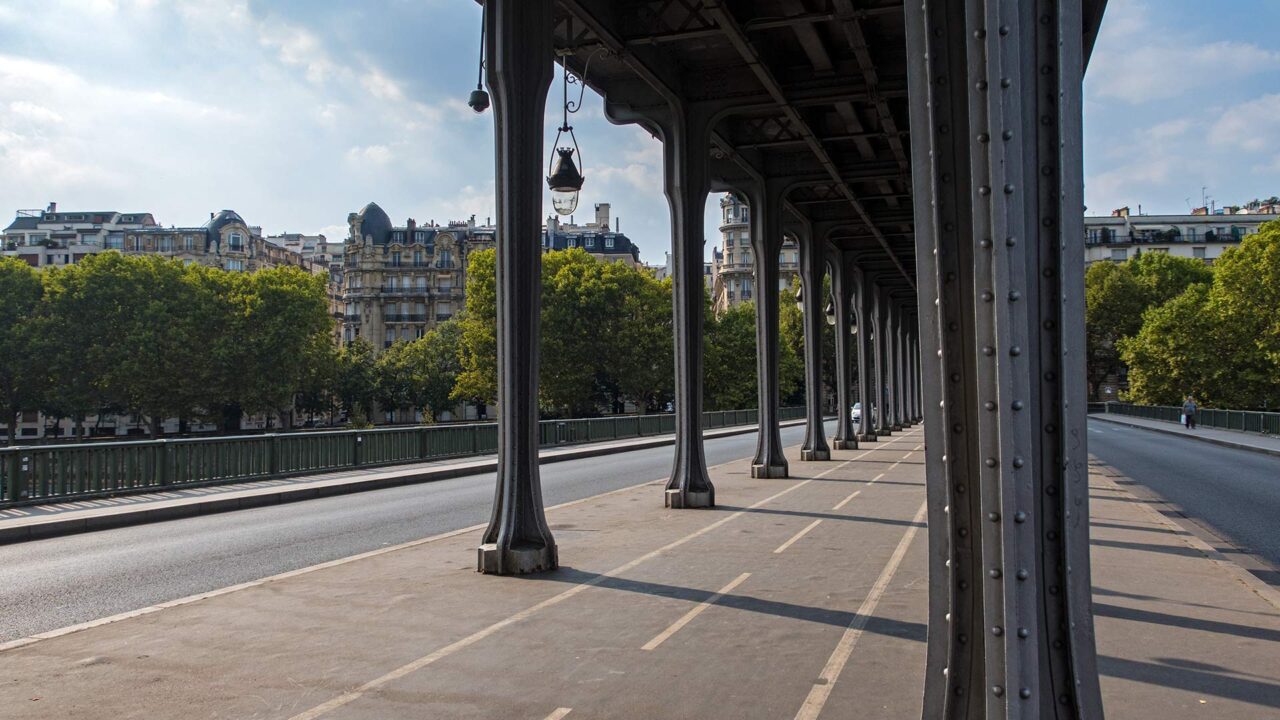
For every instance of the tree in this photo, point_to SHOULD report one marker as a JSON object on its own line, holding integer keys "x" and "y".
{"x": 729, "y": 359}
{"x": 478, "y": 351}
{"x": 356, "y": 384}
{"x": 1168, "y": 357}
{"x": 433, "y": 368}
{"x": 394, "y": 378}
{"x": 20, "y": 378}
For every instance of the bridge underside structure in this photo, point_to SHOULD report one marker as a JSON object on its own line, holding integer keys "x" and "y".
{"x": 928, "y": 157}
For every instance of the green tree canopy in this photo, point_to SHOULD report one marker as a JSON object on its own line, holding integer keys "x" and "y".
{"x": 21, "y": 375}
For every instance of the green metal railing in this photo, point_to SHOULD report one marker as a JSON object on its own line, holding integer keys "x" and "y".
{"x": 45, "y": 473}
{"x": 1243, "y": 420}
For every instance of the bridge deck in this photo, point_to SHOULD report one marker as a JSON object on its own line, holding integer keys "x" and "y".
{"x": 793, "y": 598}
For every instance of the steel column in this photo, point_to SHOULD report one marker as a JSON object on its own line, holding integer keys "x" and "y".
{"x": 766, "y": 243}
{"x": 841, "y": 286}
{"x": 884, "y": 417}
{"x": 996, "y": 145}
{"x": 519, "y": 69}
{"x": 685, "y": 158}
{"x": 864, "y": 302}
{"x": 813, "y": 266}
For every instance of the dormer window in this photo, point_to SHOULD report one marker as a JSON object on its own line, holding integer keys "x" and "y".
{"x": 608, "y": 243}
{"x": 235, "y": 241}
{"x": 420, "y": 236}
{"x": 397, "y": 236}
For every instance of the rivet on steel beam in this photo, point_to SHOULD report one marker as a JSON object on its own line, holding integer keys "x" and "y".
{"x": 1007, "y": 134}
{"x": 960, "y": 488}
{"x": 964, "y": 584}
{"x": 1014, "y": 296}
{"x": 997, "y": 631}
{"x": 1020, "y": 517}
{"x": 984, "y": 137}
{"x": 990, "y": 405}
{"x": 997, "y": 690}
{"x": 1017, "y": 405}
{"x": 962, "y": 638}
{"x": 988, "y": 350}
{"x": 1024, "y": 693}
{"x": 984, "y": 190}
{"x": 980, "y": 33}
{"x": 1023, "y": 575}
{"x": 963, "y": 532}
{"x": 1008, "y": 189}
{"x": 1005, "y": 82}
{"x": 991, "y": 462}
{"x": 1024, "y": 633}
{"x": 993, "y": 516}
{"x": 1017, "y": 462}
{"x": 995, "y": 573}
{"x": 1004, "y": 30}
{"x": 987, "y": 295}
{"x": 984, "y": 243}
{"x": 1015, "y": 351}
{"x": 1011, "y": 241}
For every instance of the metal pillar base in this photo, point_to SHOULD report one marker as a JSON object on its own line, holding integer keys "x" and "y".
{"x": 808, "y": 455}
{"x": 867, "y": 437}
{"x": 680, "y": 499}
{"x": 515, "y": 561}
{"x": 770, "y": 471}
{"x": 897, "y": 428}
{"x": 846, "y": 444}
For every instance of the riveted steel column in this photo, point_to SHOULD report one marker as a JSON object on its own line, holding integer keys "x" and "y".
{"x": 846, "y": 438}
{"x": 904, "y": 365}
{"x": 864, "y": 306}
{"x": 995, "y": 115}
{"x": 895, "y": 364}
{"x": 766, "y": 243}
{"x": 813, "y": 266}
{"x": 685, "y": 157}
{"x": 519, "y": 67}
{"x": 884, "y": 416}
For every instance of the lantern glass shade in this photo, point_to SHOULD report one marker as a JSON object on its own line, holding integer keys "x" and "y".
{"x": 800, "y": 296}
{"x": 853, "y": 324}
{"x": 565, "y": 182}
{"x": 831, "y": 313}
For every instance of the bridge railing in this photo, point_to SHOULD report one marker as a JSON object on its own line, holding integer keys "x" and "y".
{"x": 46, "y": 473}
{"x": 1243, "y": 420}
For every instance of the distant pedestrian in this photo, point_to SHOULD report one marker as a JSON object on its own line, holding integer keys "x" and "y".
{"x": 1189, "y": 413}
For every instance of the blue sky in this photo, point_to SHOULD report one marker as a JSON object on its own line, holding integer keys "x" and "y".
{"x": 297, "y": 112}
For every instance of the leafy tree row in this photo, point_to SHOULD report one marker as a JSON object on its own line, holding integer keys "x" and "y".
{"x": 1182, "y": 328}
{"x": 152, "y": 337}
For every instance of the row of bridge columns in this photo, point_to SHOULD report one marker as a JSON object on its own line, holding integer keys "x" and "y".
{"x": 990, "y": 352}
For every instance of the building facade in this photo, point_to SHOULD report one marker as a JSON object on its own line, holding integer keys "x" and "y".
{"x": 732, "y": 269}
{"x": 1202, "y": 235}
{"x": 398, "y": 281}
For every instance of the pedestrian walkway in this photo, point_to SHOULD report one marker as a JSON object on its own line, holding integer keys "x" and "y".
{"x": 1269, "y": 444}
{"x": 795, "y": 598}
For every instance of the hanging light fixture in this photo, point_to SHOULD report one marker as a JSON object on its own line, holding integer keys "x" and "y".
{"x": 479, "y": 99}
{"x": 853, "y": 323}
{"x": 565, "y": 180}
{"x": 831, "y": 313}
{"x": 800, "y": 295}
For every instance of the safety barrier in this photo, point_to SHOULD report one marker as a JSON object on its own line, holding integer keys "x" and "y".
{"x": 45, "y": 473}
{"x": 1243, "y": 420}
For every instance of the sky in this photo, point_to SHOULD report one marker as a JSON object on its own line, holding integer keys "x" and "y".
{"x": 295, "y": 113}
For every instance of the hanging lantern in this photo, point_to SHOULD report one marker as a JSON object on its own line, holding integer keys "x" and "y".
{"x": 565, "y": 182}
{"x": 800, "y": 295}
{"x": 831, "y": 313}
{"x": 564, "y": 178}
{"x": 853, "y": 323}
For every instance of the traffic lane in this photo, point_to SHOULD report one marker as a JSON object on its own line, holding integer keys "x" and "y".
{"x": 1235, "y": 493}
{"x": 48, "y": 584}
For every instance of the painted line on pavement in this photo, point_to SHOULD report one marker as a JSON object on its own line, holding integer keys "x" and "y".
{"x": 796, "y": 537}
{"x": 821, "y": 690}
{"x": 845, "y": 501}
{"x": 695, "y": 612}
{"x": 559, "y": 713}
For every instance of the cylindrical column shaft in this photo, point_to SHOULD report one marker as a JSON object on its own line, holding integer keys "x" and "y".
{"x": 766, "y": 242}
{"x": 813, "y": 265}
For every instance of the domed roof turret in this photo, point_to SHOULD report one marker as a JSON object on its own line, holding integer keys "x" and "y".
{"x": 374, "y": 221}
{"x": 222, "y": 219}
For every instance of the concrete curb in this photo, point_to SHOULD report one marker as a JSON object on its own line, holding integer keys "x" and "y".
{"x": 1201, "y": 438}
{"x": 40, "y": 527}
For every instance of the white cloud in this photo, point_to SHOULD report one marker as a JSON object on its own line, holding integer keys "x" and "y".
{"x": 376, "y": 154}
{"x": 1252, "y": 125}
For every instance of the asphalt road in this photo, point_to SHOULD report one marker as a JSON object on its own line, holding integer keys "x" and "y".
{"x": 1236, "y": 493}
{"x": 48, "y": 584}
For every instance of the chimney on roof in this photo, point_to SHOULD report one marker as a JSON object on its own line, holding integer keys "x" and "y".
{"x": 617, "y": 225}
{"x": 1120, "y": 212}
{"x": 210, "y": 214}
{"x": 602, "y": 215}
{"x": 53, "y": 207}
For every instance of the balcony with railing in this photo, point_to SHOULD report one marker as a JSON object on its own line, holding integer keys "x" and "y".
{"x": 402, "y": 317}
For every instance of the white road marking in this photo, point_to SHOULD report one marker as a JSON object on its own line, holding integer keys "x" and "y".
{"x": 845, "y": 501}
{"x": 695, "y": 612}
{"x": 559, "y": 713}
{"x": 819, "y": 693}
{"x": 797, "y": 536}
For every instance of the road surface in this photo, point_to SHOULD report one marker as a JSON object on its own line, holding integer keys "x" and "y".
{"x": 48, "y": 584}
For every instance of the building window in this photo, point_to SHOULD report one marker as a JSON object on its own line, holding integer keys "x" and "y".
{"x": 417, "y": 258}
{"x": 236, "y": 241}
{"x": 235, "y": 265}
{"x": 1198, "y": 253}
{"x": 395, "y": 259}
{"x": 608, "y": 243}
{"x": 397, "y": 236}
{"x": 390, "y": 338}
{"x": 188, "y": 242}
{"x": 166, "y": 243}
{"x": 1119, "y": 254}
{"x": 446, "y": 259}
{"x": 115, "y": 241}
{"x": 419, "y": 236}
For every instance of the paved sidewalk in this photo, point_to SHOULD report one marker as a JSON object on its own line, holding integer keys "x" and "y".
{"x": 1255, "y": 442}
{"x": 80, "y": 515}
{"x": 804, "y": 597}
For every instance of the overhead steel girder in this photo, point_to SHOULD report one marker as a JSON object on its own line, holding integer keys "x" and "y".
{"x": 996, "y": 152}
